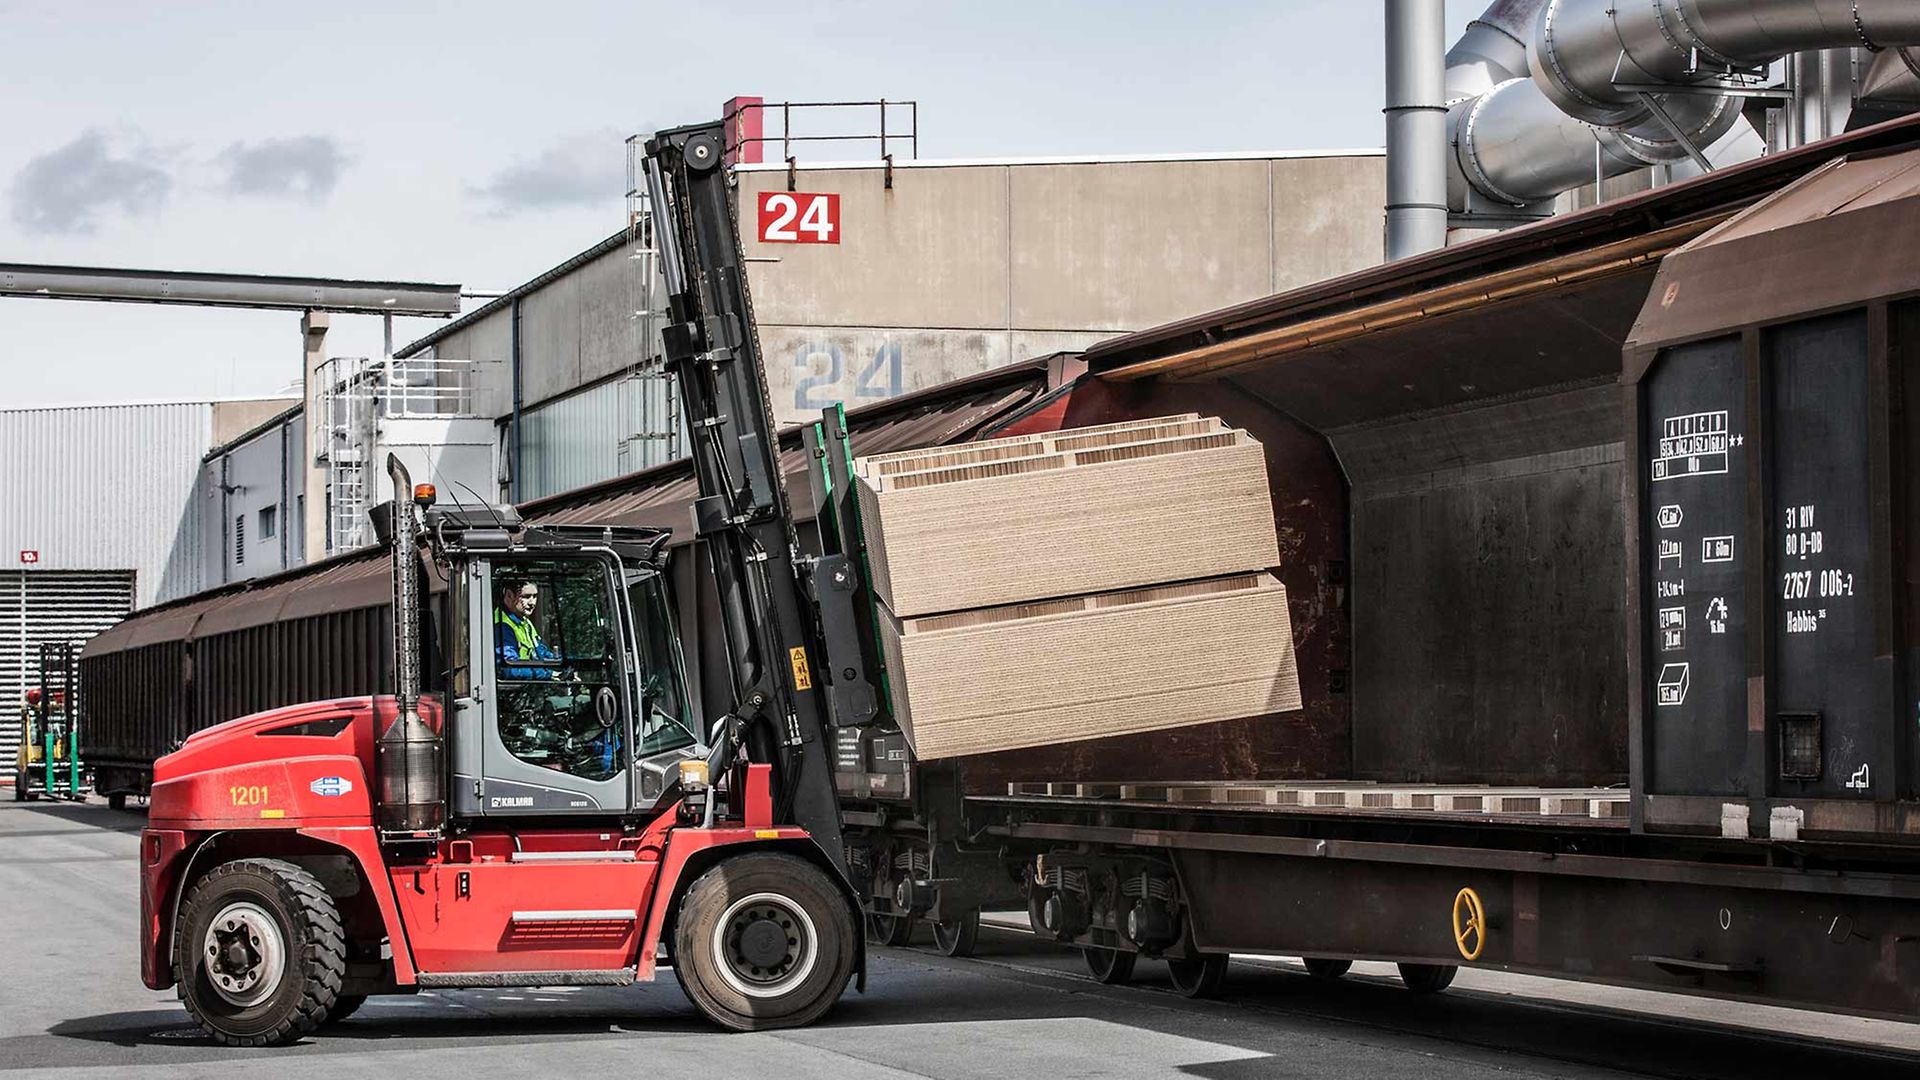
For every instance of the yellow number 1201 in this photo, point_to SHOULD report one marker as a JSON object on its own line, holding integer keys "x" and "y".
{"x": 248, "y": 795}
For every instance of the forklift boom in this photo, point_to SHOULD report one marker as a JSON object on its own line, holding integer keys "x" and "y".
{"x": 781, "y": 668}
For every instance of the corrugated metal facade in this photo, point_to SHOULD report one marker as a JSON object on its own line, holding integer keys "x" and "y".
{"x": 49, "y": 606}
{"x": 107, "y": 487}
{"x": 607, "y": 430}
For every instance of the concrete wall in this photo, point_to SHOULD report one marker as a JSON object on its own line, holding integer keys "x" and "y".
{"x": 232, "y": 419}
{"x": 958, "y": 268}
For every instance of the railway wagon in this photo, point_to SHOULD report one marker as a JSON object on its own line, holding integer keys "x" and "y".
{"x": 1498, "y": 761}
{"x": 1595, "y": 535}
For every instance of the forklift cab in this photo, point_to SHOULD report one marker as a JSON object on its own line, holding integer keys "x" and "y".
{"x": 567, "y": 686}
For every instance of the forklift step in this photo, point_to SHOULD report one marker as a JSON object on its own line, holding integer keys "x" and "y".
{"x": 487, "y": 980}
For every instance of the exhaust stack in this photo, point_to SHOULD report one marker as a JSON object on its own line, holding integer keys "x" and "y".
{"x": 408, "y": 755}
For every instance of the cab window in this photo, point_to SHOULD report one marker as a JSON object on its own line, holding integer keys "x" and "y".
{"x": 553, "y": 632}
{"x": 666, "y": 722}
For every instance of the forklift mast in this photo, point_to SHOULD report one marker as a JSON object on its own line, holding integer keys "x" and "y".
{"x": 799, "y": 664}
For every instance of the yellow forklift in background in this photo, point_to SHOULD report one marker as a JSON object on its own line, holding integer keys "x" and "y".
{"x": 48, "y": 759}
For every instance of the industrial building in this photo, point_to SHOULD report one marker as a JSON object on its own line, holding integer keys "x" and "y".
{"x": 940, "y": 270}
{"x": 106, "y": 509}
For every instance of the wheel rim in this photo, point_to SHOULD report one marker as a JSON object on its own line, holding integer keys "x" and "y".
{"x": 245, "y": 955}
{"x": 948, "y": 937}
{"x": 766, "y": 945}
{"x": 1191, "y": 977}
{"x": 1102, "y": 962}
{"x": 889, "y": 927}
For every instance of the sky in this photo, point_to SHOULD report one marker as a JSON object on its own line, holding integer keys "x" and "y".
{"x": 481, "y": 143}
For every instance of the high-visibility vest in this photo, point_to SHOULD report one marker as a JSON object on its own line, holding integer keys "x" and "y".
{"x": 526, "y": 638}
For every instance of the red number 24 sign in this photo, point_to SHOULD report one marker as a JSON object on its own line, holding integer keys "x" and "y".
{"x": 799, "y": 217}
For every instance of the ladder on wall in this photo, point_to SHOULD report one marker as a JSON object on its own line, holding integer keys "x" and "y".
{"x": 651, "y": 405}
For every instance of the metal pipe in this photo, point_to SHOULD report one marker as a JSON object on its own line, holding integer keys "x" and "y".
{"x": 513, "y": 424}
{"x": 271, "y": 292}
{"x": 1492, "y": 50}
{"x": 1608, "y": 69}
{"x": 1416, "y": 127}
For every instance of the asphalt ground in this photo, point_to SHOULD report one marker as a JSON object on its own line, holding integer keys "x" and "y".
{"x": 71, "y": 999}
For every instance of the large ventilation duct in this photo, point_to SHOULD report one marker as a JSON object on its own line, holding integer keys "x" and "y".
{"x": 1492, "y": 50}
{"x": 1601, "y": 97}
{"x": 1416, "y": 127}
{"x": 1889, "y": 87}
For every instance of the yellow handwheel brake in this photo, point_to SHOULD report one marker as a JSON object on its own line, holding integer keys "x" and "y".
{"x": 1469, "y": 924}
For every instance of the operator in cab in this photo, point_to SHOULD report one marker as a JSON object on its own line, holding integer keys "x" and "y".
{"x": 515, "y": 637}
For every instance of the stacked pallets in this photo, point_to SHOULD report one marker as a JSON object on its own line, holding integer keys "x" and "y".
{"x": 1077, "y": 584}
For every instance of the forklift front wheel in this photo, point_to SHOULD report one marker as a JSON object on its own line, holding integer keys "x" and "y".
{"x": 764, "y": 940}
{"x": 19, "y": 786}
{"x": 260, "y": 953}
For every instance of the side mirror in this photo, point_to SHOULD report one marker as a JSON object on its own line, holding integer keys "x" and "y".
{"x": 606, "y": 708}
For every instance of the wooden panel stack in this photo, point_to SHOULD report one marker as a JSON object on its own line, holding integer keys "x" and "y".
{"x": 1069, "y": 512}
{"x": 1077, "y": 584}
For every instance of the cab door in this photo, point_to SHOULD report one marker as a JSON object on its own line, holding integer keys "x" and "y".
{"x": 546, "y": 726}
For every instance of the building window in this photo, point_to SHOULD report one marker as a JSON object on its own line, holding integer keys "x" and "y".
{"x": 267, "y": 523}
{"x": 239, "y": 539}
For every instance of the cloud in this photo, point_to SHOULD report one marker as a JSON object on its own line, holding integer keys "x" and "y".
{"x": 64, "y": 190}
{"x": 305, "y": 166}
{"x": 586, "y": 169}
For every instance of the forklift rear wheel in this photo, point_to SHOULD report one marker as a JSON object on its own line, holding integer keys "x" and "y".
{"x": 957, "y": 938}
{"x": 1110, "y": 966}
{"x": 889, "y": 927}
{"x": 1325, "y": 967}
{"x": 1428, "y": 978}
{"x": 1198, "y": 978}
{"x": 259, "y": 953}
{"x": 764, "y": 940}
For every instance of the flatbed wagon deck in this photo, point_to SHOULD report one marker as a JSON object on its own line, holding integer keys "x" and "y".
{"x": 1552, "y": 805}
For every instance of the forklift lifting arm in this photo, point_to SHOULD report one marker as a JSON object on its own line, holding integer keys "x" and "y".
{"x": 799, "y": 665}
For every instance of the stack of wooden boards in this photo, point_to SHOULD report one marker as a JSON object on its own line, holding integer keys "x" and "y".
{"x": 1077, "y": 584}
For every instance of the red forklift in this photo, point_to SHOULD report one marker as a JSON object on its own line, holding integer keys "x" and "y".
{"x": 534, "y": 804}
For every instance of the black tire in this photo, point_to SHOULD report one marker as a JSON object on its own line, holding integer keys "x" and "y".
{"x": 1326, "y": 968}
{"x": 742, "y": 974}
{"x": 117, "y": 801}
{"x": 344, "y": 1006}
{"x": 1428, "y": 978}
{"x": 1199, "y": 978}
{"x": 889, "y": 927}
{"x": 269, "y": 908}
{"x": 1110, "y": 966}
{"x": 958, "y": 938}
{"x": 19, "y": 786}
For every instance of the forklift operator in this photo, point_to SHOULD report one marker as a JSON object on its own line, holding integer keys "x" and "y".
{"x": 515, "y": 637}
